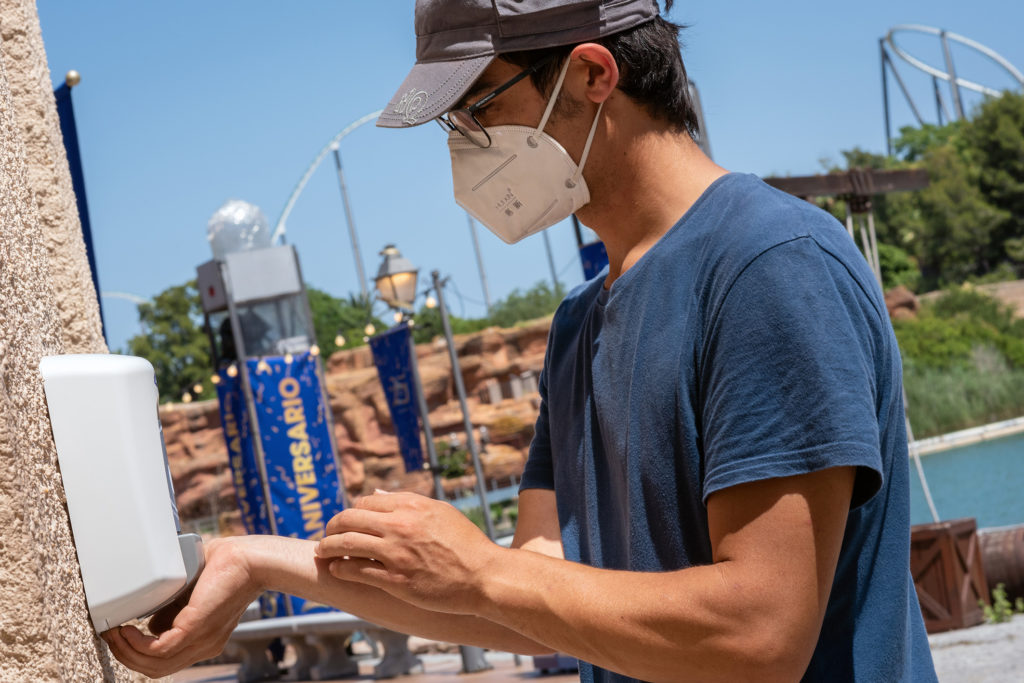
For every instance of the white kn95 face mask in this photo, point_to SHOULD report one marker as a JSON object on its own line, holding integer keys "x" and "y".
{"x": 525, "y": 181}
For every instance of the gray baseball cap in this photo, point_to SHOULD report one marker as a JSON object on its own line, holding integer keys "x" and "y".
{"x": 457, "y": 39}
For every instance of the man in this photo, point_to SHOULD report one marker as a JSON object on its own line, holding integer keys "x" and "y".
{"x": 720, "y": 455}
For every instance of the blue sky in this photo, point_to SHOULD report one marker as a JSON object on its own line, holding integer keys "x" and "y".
{"x": 185, "y": 105}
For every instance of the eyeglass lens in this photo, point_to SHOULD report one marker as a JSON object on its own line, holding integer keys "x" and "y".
{"x": 466, "y": 123}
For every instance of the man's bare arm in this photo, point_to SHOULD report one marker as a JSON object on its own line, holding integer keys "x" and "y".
{"x": 754, "y": 614}
{"x": 239, "y": 569}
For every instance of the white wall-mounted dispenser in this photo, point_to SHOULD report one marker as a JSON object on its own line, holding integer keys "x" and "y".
{"x": 134, "y": 558}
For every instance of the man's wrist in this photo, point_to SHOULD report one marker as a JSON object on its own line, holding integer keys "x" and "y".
{"x": 257, "y": 554}
{"x": 497, "y": 583}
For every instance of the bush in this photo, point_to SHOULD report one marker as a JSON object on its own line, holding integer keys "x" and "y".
{"x": 946, "y": 400}
{"x": 963, "y": 363}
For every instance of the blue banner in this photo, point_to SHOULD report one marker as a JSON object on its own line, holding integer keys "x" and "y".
{"x": 391, "y": 351}
{"x": 245, "y": 472}
{"x": 69, "y": 131}
{"x": 594, "y": 258}
{"x": 302, "y": 471}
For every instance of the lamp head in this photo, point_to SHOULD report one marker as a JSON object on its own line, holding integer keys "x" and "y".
{"x": 396, "y": 279}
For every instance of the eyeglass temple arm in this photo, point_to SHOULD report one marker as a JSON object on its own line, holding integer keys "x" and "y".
{"x": 520, "y": 76}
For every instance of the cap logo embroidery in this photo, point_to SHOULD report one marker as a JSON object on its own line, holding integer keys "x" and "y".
{"x": 410, "y": 106}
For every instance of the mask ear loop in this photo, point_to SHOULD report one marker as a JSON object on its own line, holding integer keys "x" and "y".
{"x": 570, "y": 182}
{"x": 553, "y": 98}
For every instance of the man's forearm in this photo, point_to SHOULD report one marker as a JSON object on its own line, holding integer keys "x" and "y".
{"x": 701, "y": 623}
{"x": 290, "y": 566}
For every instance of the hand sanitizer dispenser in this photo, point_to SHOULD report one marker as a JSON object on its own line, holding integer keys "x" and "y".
{"x": 134, "y": 558}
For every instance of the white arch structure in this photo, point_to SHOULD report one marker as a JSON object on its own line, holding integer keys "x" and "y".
{"x": 950, "y": 75}
{"x": 125, "y": 296}
{"x": 279, "y": 229}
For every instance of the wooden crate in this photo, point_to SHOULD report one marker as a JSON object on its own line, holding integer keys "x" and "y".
{"x": 945, "y": 561}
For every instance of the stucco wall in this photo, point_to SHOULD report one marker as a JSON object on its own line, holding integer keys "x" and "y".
{"x": 47, "y": 305}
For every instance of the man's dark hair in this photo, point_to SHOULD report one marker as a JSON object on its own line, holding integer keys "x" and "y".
{"x": 650, "y": 67}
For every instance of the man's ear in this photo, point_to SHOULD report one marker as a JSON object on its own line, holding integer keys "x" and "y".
{"x": 598, "y": 72}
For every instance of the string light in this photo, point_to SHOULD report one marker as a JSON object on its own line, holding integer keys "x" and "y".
{"x": 398, "y": 317}
{"x": 314, "y": 350}
{"x": 288, "y": 358}
{"x": 186, "y": 397}
{"x": 369, "y": 329}
{"x": 215, "y": 379}
{"x": 197, "y": 389}
{"x": 431, "y": 302}
{"x": 412, "y": 322}
{"x": 232, "y": 370}
{"x": 339, "y": 341}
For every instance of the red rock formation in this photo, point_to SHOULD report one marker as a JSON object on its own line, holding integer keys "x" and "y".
{"x": 901, "y": 303}
{"x": 367, "y": 446}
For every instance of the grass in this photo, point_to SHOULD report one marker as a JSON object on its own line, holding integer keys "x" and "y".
{"x": 942, "y": 400}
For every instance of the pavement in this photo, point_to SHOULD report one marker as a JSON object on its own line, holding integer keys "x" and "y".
{"x": 989, "y": 653}
{"x": 438, "y": 668}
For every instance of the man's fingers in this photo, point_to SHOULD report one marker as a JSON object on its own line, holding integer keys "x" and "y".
{"x": 168, "y": 644}
{"x": 351, "y": 544}
{"x": 384, "y": 502}
{"x": 361, "y": 570}
{"x": 164, "y": 618}
{"x": 355, "y": 519}
{"x": 130, "y": 657}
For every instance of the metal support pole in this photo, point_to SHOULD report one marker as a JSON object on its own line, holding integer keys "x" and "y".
{"x": 866, "y": 243}
{"x": 310, "y": 331}
{"x": 480, "y": 263}
{"x": 903, "y": 89}
{"x": 958, "y": 104}
{"x": 874, "y": 245}
{"x": 351, "y": 226}
{"x": 428, "y": 432}
{"x": 578, "y": 231}
{"x": 551, "y": 260}
{"x": 849, "y": 221}
{"x": 460, "y": 389}
{"x": 885, "y": 97}
{"x": 939, "y": 104}
{"x": 250, "y": 406}
{"x": 912, "y": 446}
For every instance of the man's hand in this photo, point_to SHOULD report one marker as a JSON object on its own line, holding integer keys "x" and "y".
{"x": 419, "y": 550}
{"x": 199, "y": 629}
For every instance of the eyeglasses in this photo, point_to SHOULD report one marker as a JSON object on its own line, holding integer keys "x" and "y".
{"x": 464, "y": 120}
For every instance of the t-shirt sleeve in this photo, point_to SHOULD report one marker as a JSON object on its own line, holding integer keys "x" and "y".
{"x": 788, "y": 380}
{"x": 539, "y": 470}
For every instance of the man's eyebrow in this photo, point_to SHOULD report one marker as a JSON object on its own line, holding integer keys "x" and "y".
{"x": 481, "y": 87}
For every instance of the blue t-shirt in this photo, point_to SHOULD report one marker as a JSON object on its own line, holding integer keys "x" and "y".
{"x": 751, "y": 342}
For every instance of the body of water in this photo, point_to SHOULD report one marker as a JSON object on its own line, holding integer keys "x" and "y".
{"x": 984, "y": 480}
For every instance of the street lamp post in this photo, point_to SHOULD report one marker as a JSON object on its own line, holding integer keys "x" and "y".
{"x": 396, "y": 286}
{"x": 460, "y": 390}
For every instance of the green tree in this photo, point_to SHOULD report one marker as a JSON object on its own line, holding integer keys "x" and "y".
{"x": 428, "y": 324}
{"x": 536, "y": 302}
{"x": 174, "y": 342}
{"x": 332, "y": 316}
{"x": 996, "y": 138}
{"x": 955, "y": 228}
{"x": 969, "y": 223}
{"x": 898, "y": 268}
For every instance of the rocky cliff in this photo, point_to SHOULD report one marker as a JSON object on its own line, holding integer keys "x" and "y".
{"x": 499, "y": 368}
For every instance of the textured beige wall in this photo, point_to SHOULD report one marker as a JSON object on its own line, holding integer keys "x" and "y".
{"x": 47, "y": 305}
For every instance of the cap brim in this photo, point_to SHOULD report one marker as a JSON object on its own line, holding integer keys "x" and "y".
{"x": 431, "y": 89}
